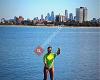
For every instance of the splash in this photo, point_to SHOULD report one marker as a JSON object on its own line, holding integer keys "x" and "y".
{"x": 49, "y": 39}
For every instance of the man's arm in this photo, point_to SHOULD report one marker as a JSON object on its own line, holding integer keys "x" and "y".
{"x": 44, "y": 60}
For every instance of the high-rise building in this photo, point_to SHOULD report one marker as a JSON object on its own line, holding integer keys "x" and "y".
{"x": 3, "y": 20}
{"x": 85, "y": 13}
{"x": 74, "y": 18}
{"x": 48, "y": 17}
{"x": 20, "y": 20}
{"x": 81, "y": 14}
{"x": 60, "y": 18}
{"x": 71, "y": 16}
{"x": 42, "y": 17}
{"x": 52, "y": 16}
{"x": 66, "y": 15}
{"x": 57, "y": 19}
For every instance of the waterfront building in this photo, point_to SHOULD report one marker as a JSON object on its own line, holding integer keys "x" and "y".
{"x": 3, "y": 20}
{"x": 20, "y": 20}
{"x": 57, "y": 18}
{"x": 11, "y": 20}
{"x": 62, "y": 18}
{"x": 94, "y": 20}
{"x": 81, "y": 14}
{"x": 71, "y": 16}
{"x": 66, "y": 15}
{"x": 36, "y": 18}
{"x": 75, "y": 18}
{"x": 98, "y": 20}
{"x": 42, "y": 17}
{"x": 85, "y": 14}
{"x": 52, "y": 16}
{"x": 15, "y": 19}
{"x": 48, "y": 17}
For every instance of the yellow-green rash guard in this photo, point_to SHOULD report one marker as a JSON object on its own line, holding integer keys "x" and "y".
{"x": 49, "y": 59}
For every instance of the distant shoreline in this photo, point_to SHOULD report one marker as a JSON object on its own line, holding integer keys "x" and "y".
{"x": 28, "y": 26}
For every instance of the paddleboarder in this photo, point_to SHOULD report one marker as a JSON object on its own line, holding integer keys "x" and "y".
{"x": 48, "y": 60}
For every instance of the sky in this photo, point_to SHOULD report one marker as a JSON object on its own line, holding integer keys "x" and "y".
{"x": 34, "y": 8}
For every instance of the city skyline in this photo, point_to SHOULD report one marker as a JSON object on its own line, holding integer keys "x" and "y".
{"x": 33, "y": 8}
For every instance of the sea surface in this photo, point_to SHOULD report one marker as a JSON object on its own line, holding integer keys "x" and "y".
{"x": 79, "y": 58}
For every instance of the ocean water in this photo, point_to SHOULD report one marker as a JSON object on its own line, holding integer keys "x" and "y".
{"x": 79, "y": 58}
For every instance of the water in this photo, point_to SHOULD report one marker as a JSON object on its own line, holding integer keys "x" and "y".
{"x": 79, "y": 58}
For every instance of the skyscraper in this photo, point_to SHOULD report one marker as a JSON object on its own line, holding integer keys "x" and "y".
{"x": 74, "y": 18}
{"x": 81, "y": 14}
{"x": 52, "y": 16}
{"x": 85, "y": 13}
{"x": 66, "y": 15}
{"x": 57, "y": 18}
{"x": 20, "y": 20}
{"x": 71, "y": 16}
{"x": 42, "y": 17}
{"x": 48, "y": 17}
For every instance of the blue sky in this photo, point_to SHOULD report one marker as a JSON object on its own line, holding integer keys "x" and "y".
{"x": 34, "y": 8}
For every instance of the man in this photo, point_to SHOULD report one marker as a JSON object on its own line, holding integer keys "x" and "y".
{"x": 49, "y": 63}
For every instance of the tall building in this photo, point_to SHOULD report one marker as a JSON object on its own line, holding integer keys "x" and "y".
{"x": 20, "y": 20}
{"x": 3, "y": 20}
{"x": 71, "y": 16}
{"x": 57, "y": 19}
{"x": 74, "y": 18}
{"x": 85, "y": 13}
{"x": 66, "y": 15}
{"x": 48, "y": 17}
{"x": 81, "y": 14}
{"x": 42, "y": 17}
{"x": 52, "y": 16}
{"x": 62, "y": 18}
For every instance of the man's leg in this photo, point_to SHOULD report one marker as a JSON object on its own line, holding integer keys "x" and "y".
{"x": 51, "y": 71}
{"x": 45, "y": 73}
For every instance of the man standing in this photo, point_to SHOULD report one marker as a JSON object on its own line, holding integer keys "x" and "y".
{"x": 49, "y": 63}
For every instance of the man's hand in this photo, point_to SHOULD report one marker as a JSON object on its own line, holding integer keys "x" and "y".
{"x": 46, "y": 66}
{"x": 58, "y": 51}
